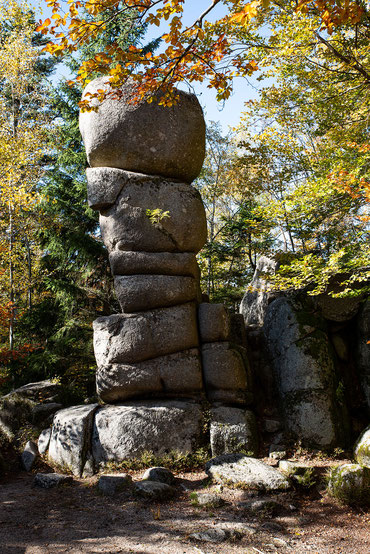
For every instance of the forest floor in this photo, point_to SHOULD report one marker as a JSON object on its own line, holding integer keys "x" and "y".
{"x": 77, "y": 518}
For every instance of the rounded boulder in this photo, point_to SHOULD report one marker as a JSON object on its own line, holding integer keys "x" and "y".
{"x": 144, "y": 137}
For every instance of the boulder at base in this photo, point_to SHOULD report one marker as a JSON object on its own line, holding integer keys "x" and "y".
{"x": 233, "y": 430}
{"x": 245, "y": 471}
{"x": 129, "y": 430}
{"x": 350, "y": 483}
{"x": 144, "y": 137}
{"x": 362, "y": 449}
{"x": 71, "y": 437}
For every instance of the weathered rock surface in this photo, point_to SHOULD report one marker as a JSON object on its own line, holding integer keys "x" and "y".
{"x": 104, "y": 185}
{"x": 30, "y": 404}
{"x": 142, "y": 137}
{"x": 337, "y": 308}
{"x": 214, "y": 322}
{"x": 127, "y": 226}
{"x": 29, "y": 455}
{"x": 154, "y": 263}
{"x": 136, "y": 293}
{"x": 178, "y": 375}
{"x": 160, "y": 474}
{"x": 71, "y": 436}
{"x": 154, "y": 490}
{"x": 212, "y": 534}
{"x": 363, "y": 349}
{"x": 255, "y": 302}
{"x": 15, "y": 410}
{"x": 49, "y": 480}
{"x": 224, "y": 372}
{"x": 238, "y": 334}
{"x": 263, "y": 505}
{"x": 44, "y": 440}
{"x": 111, "y": 484}
{"x": 42, "y": 412}
{"x": 350, "y": 483}
{"x": 233, "y": 430}
{"x": 246, "y": 471}
{"x": 362, "y": 449}
{"x": 207, "y": 499}
{"x": 128, "y": 430}
{"x": 305, "y": 374}
{"x": 134, "y": 338}
{"x": 224, "y": 531}
{"x": 47, "y": 388}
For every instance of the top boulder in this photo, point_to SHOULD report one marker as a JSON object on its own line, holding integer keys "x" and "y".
{"x": 142, "y": 137}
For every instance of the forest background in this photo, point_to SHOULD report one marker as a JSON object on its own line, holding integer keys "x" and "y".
{"x": 290, "y": 181}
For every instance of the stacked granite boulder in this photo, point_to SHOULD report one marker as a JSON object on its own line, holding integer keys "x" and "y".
{"x": 150, "y": 356}
{"x": 143, "y": 160}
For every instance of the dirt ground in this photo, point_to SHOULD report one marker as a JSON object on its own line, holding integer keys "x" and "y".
{"x": 77, "y": 518}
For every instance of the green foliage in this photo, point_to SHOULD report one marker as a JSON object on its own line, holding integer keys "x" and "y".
{"x": 75, "y": 284}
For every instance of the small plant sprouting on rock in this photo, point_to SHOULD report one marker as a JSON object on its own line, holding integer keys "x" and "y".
{"x": 155, "y": 216}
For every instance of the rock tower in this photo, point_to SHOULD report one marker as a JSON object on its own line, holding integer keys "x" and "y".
{"x": 166, "y": 355}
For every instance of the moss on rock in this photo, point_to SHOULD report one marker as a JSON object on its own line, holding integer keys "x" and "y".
{"x": 350, "y": 483}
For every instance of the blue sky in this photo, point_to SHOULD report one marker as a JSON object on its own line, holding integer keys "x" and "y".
{"x": 227, "y": 113}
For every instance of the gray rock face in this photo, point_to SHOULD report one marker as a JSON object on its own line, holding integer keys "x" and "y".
{"x": 363, "y": 349}
{"x": 214, "y": 322}
{"x": 111, "y": 484}
{"x": 126, "y": 225}
{"x": 44, "y": 440}
{"x": 154, "y": 263}
{"x": 143, "y": 158}
{"x": 233, "y": 430}
{"x": 134, "y": 338}
{"x": 70, "y": 438}
{"x": 126, "y": 431}
{"x": 215, "y": 535}
{"x": 33, "y": 391}
{"x": 160, "y": 474}
{"x": 22, "y": 406}
{"x": 41, "y": 412}
{"x": 207, "y": 499}
{"x": 49, "y": 480}
{"x": 178, "y": 375}
{"x": 350, "y": 483}
{"x": 104, "y": 185}
{"x": 154, "y": 490}
{"x": 305, "y": 374}
{"x": 225, "y": 374}
{"x": 136, "y": 293}
{"x": 362, "y": 449}
{"x": 29, "y": 455}
{"x": 255, "y": 302}
{"x": 338, "y": 309}
{"x": 238, "y": 334}
{"x": 252, "y": 473}
{"x": 145, "y": 138}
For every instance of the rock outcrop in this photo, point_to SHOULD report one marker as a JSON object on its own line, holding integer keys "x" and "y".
{"x": 165, "y": 353}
